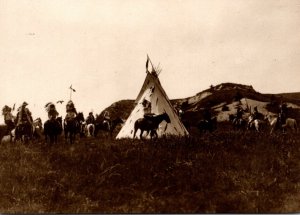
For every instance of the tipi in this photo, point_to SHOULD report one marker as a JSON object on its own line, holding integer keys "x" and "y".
{"x": 153, "y": 93}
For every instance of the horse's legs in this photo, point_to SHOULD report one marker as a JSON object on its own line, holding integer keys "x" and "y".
{"x": 72, "y": 137}
{"x": 141, "y": 135}
{"x": 66, "y": 135}
{"x": 93, "y": 131}
{"x": 284, "y": 128}
{"x": 257, "y": 128}
{"x": 11, "y": 136}
{"x": 135, "y": 130}
{"x": 87, "y": 131}
{"x": 16, "y": 134}
{"x": 54, "y": 138}
{"x": 155, "y": 132}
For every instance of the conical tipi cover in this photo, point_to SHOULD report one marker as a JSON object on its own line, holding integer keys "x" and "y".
{"x": 153, "y": 92}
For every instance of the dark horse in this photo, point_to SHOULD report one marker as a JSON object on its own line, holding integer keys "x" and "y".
{"x": 24, "y": 132}
{"x": 107, "y": 125}
{"x": 73, "y": 127}
{"x": 150, "y": 124}
{"x": 207, "y": 125}
{"x": 237, "y": 123}
{"x": 53, "y": 128}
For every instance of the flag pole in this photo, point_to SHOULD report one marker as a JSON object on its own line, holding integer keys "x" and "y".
{"x": 71, "y": 92}
{"x": 150, "y": 62}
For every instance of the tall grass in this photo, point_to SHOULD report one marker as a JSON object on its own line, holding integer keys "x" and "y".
{"x": 227, "y": 171}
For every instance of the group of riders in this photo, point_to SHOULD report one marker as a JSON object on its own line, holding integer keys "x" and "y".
{"x": 238, "y": 118}
{"x": 24, "y": 116}
{"x": 282, "y": 115}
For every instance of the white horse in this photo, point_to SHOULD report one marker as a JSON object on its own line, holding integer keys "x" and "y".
{"x": 256, "y": 124}
{"x": 290, "y": 123}
{"x": 90, "y": 129}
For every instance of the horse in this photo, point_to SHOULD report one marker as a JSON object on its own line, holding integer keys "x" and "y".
{"x": 107, "y": 125}
{"x": 289, "y": 123}
{"x": 73, "y": 126}
{"x": 150, "y": 124}
{"x": 238, "y": 123}
{"x": 24, "y": 132}
{"x": 90, "y": 129}
{"x": 7, "y": 130}
{"x": 3, "y": 131}
{"x": 207, "y": 125}
{"x": 257, "y": 124}
{"x": 10, "y": 124}
{"x": 53, "y": 128}
{"x": 37, "y": 126}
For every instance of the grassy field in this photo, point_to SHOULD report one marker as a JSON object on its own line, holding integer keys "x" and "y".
{"x": 227, "y": 171}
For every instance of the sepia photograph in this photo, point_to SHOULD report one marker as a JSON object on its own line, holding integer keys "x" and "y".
{"x": 149, "y": 106}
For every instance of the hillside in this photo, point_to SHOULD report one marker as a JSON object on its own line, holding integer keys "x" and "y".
{"x": 292, "y": 96}
{"x": 222, "y": 99}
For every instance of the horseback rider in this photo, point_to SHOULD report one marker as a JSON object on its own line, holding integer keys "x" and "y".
{"x": 8, "y": 117}
{"x": 207, "y": 114}
{"x": 282, "y": 115}
{"x": 71, "y": 110}
{"x": 106, "y": 119}
{"x": 90, "y": 119}
{"x": 255, "y": 115}
{"x": 52, "y": 112}
{"x": 147, "y": 109}
{"x": 239, "y": 114}
{"x": 24, "y": 115}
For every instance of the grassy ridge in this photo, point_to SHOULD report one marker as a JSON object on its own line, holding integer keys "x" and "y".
{"x": 224, "y": 172}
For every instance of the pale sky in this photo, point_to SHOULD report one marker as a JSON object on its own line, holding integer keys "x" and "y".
{"x": 100, "y": 47}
